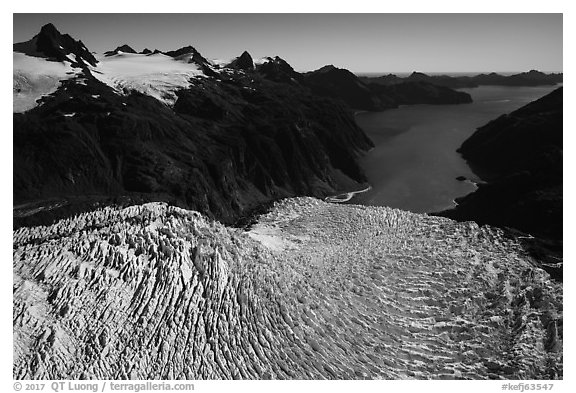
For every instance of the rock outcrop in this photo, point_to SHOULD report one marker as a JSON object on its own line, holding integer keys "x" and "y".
{"x": 313, "y": 290}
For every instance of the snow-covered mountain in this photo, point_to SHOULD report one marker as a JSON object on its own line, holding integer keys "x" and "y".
{"x": 50, "y": 44}
{"x": 175, "y": 125}
{"x": 42, "y": 63}
{"x": 50, "y": 57}
{"x": 154, "y": 74}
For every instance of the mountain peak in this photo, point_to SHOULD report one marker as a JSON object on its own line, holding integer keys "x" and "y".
{"x": 182, "y": 51}
{"x": 187, "y": 53}
{"x": 417, "y": 74}
{"x": 49, "y": 29}
{"x": 278, "y": 70}
{"x": 331, "y": 71}
{"x": 51, "y": 44}
{"x": 243, "y": 62}
{"x": 326, "y": 68}
{"x": 123, "y": 48}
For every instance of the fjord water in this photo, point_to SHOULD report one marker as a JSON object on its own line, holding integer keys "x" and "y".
{"x": 414, "y": 164}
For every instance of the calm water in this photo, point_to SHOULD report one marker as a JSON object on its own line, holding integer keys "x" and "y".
{"x": 415, "y": 164}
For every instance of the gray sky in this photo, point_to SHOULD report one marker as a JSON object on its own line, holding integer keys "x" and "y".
{"x": 358, "y": 42}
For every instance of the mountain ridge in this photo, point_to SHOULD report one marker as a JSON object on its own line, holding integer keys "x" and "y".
{"x": 50, "y": 43}
{"x": 97, "y": 114}
{"x": 530, "y": 78}
{"x": 231, "y": 141}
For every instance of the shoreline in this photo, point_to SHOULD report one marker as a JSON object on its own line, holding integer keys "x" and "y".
{"x": 345, "y": 196}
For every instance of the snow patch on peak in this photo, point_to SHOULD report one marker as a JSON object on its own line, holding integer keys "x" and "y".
{"x": 263, "y": 60}
{"x": 221, "y": 62}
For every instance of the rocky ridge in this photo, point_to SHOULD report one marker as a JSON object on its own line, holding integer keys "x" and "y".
{"x": 313, "y": 290}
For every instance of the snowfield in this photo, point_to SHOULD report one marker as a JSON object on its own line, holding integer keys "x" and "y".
{"x": 157, "y": 75}
{"x": 221, "y": 62}
{"x": 314, "y": 290}
{"x": 262, "y": 60}
{"x": 35, "y": 77}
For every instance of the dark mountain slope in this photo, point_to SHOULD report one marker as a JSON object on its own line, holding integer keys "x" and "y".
{"x": 340, "y": 83}
{"x": 225, "y": 147}
{"x": 520, "y": 155}
{"x": 412, "y": 93}
{"x": 442, "y": 80}
{"x": 527, "y": 139}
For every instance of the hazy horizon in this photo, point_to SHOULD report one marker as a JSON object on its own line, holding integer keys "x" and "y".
{"x": 449, "y": 73}
{"x": 361, "y": 43}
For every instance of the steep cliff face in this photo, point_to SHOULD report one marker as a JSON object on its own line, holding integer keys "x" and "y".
{"x": 313, "y": 290}
{"x": 224, "y": 147}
